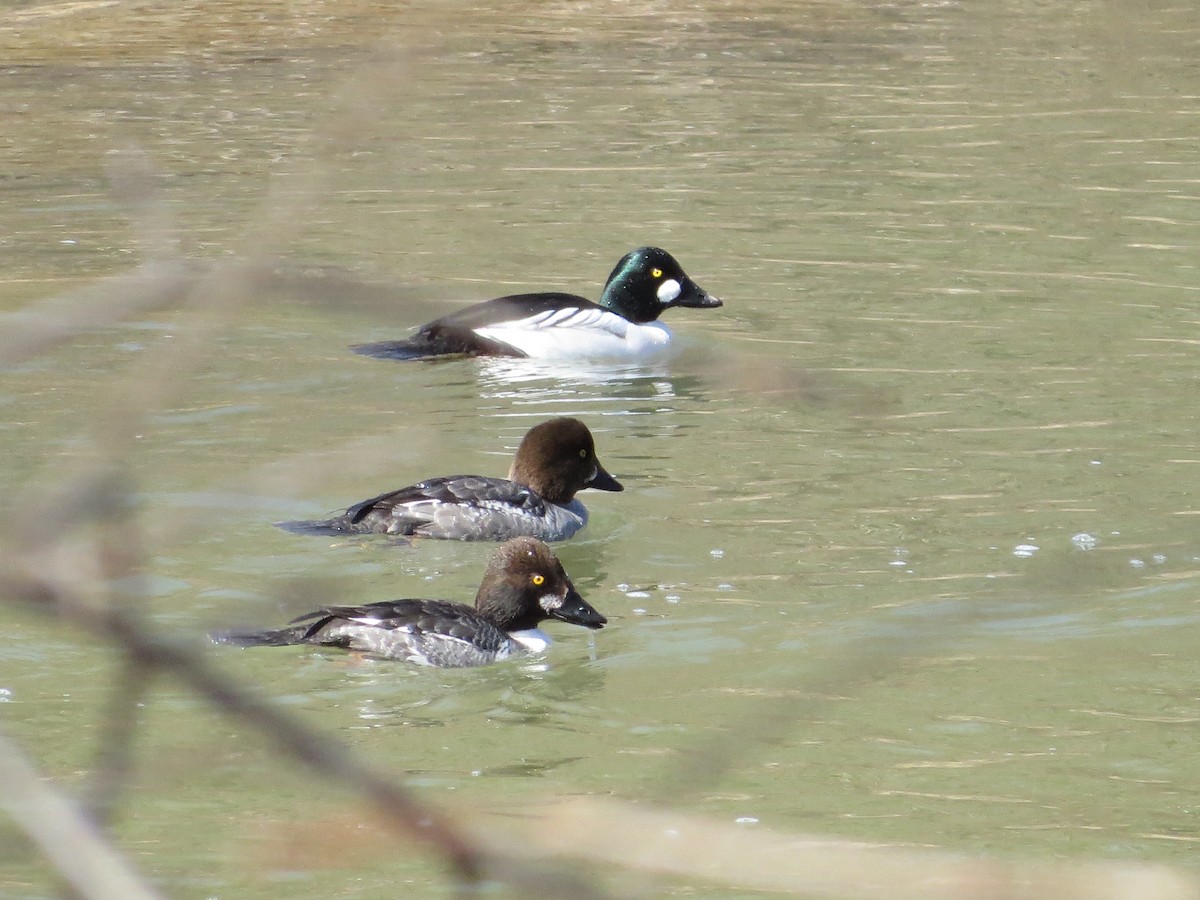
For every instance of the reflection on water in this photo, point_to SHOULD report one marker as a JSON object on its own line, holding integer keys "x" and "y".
{"x": 517, "y": 379}
{"x": 594, "y": 391}
{"x": 956, "y": 245}
{"x": 551, "y": 689}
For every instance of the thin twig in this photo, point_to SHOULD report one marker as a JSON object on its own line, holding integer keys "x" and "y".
{"x": 329, "y": 757}
{"x": 108, "y": 301}
{"x": 680, "y": 844}
{"x": 70, "y": 566}
{"x": 114, "y": 761}
{"x": 89, "y": 863}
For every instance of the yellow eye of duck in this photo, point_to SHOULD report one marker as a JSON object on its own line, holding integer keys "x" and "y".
{"x": 657, "y": 273}
{"x": 538, "y": 580}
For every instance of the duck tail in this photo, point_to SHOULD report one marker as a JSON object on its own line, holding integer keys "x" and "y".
{"x": 437, "y": 341}
{"x": 276, "y": 637}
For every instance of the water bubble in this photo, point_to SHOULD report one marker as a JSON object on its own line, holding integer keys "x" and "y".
{"x": 637, "y": 595}
{"x": 1025, "y": 550}
{"x": 673, "y": 598}
{"x": 746, "y": 820}
{"x": 1138, "y": 563}
{"x": 716, "y": 553}
{"x": 1158, "y": 558}
{"x": 1084, "y": 541}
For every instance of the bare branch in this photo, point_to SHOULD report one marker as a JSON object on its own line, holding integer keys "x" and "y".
{"x": 327, "y": 756}
{"x": 39, "y": 327}
{"x": 92, "y": 866}
{"x": 115, "y": 755}
{"x": 678, "y": 844}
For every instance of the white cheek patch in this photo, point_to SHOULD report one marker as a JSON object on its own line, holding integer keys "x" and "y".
{"x": 550, "y": 602}
{"x": 669, "y": 290}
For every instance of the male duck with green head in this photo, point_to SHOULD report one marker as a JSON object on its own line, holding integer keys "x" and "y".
{"x": 624, "y": 324}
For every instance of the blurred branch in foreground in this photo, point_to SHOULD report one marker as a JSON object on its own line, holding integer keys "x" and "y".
{"x": 678, "y": 844}
{"x": 78, "y": 554}
{"x": 106, "y": 302}
{"x": 81, "y": 855}
{"x": 56, "y": 591}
